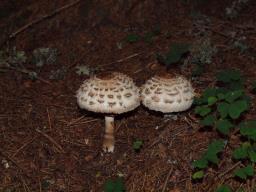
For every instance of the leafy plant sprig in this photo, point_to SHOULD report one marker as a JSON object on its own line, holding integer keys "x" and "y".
{"x": 221, "y": 108}
{"x": 137, "y": 145}
{"x": 114, "y": 185}
{"x": 147, "y": 37}
{"x": 174, "y": 55}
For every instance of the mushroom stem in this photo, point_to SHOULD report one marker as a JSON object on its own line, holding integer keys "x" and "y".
{"x": 109, "y": 140}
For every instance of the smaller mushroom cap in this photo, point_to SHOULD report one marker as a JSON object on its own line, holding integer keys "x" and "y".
{"x": 167, "y": 94}
{"x": 108, "y": 93}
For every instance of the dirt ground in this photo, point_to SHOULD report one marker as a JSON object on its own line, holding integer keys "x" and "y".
{"x": 52, "y": 145}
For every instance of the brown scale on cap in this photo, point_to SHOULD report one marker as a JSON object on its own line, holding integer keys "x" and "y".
{"x": 128, "y": 95}
{"x": 100, "y": 101}
{"x": 119, "y": 97}
{"x": 168, "y": 101}
{"x": 91, "y": 94}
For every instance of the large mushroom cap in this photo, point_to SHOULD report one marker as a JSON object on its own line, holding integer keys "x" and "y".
{"x": 167, "y": 94}
{"x": 108, "y": 93}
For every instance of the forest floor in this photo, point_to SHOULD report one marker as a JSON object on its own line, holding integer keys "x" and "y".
{"x": 49, "y": 144}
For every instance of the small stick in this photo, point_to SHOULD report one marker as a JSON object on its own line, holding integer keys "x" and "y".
{"x": 40, "y": 186}
{"x": 49, "y": 119}
{"x": 74, "y": 121}
{"x": 59, "y": 148}
{"x": 27, "y": 72}
{"x": 228, "y": 170}
{"x": 167, "y": 178}
{"x": 121, "y": 60}
{"x": 23, "y": 146}
{"x": 14, "y": 34}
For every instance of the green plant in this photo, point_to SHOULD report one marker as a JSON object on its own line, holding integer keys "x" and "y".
{"x": 174, "y": 55}
{"x": 223, "y": 188}
{"x": 115, "y": 185}
{"x": 221, "y": 108}
{"x": 244, "y": 172}
{"x": 210, "y": 156}
{"x": 137, "y": 144}
{"x": 131, "y": 38}
{"x": 147, "y": 37}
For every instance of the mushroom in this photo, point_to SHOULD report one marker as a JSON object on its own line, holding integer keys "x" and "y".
{"x": 109, "y": 93}
{"x": 167, "y": 93}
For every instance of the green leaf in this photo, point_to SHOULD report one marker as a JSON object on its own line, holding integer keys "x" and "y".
{"x": 252, "y": 155}
{"x": 233, "y": 95}
{"x": 249, "y": 170}
{"x": 224, "y": 188}
{"x": 177, "y": 50}
{"x": 227, "y": 76}
{"x": 221, "y": 96}
{"x": 148, "y": 37}
{"x": 236, "y": 108}
{"x": 109, "y": 186}
{"x": 214, "y": 148}
{"x": 210, "y": 92}
{"x": 240, "y": 153}
{"x": 253, "y": 87}
{"x": 248, "y": 128}
{"x": 202, "y": 110}
{"x": 116, "y": 185}
{"x": 208, "y": 120}
{"x": 137, "y": 144}
{"x": 201, "y": 163}
{"x": 198, "y": 175}
{"x": 222, "y": 108}
{"x": 245, "y": 172}
{"x": 132, "y": 38}
{"x": 212, "y": 100}
{"x": 236, "y": 85}
{"x": 199, "y": 101}
{"x": 224, "y": 126}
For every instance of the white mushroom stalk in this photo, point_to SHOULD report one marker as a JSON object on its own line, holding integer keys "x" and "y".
{"x": 111, "y": 93}
{"x": 167, "y": 94}
{"x": 109, "y": 139}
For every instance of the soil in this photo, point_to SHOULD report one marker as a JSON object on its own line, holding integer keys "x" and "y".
{"x": 52, "y": 145}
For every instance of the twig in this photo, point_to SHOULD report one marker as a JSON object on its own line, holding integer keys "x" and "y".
{"x": 49, "y": 119}
{"x": 74, "y": 121}
{"x": 40, "y": 186}
{"x": 59, "y": 148}
{"x": 28, "y": 72}
{"x": 228, "y": 170}
{"x": 124, "y": 59}
{"x": 77, "y": 61}
{"x": 23, "y": 28}
{"x": 167, "y": 178}
{"x": 23, "y": 146}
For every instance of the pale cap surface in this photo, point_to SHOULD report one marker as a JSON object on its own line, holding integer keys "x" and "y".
{"x": 108, "y": 93}
{"x": 167, "y": 94}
